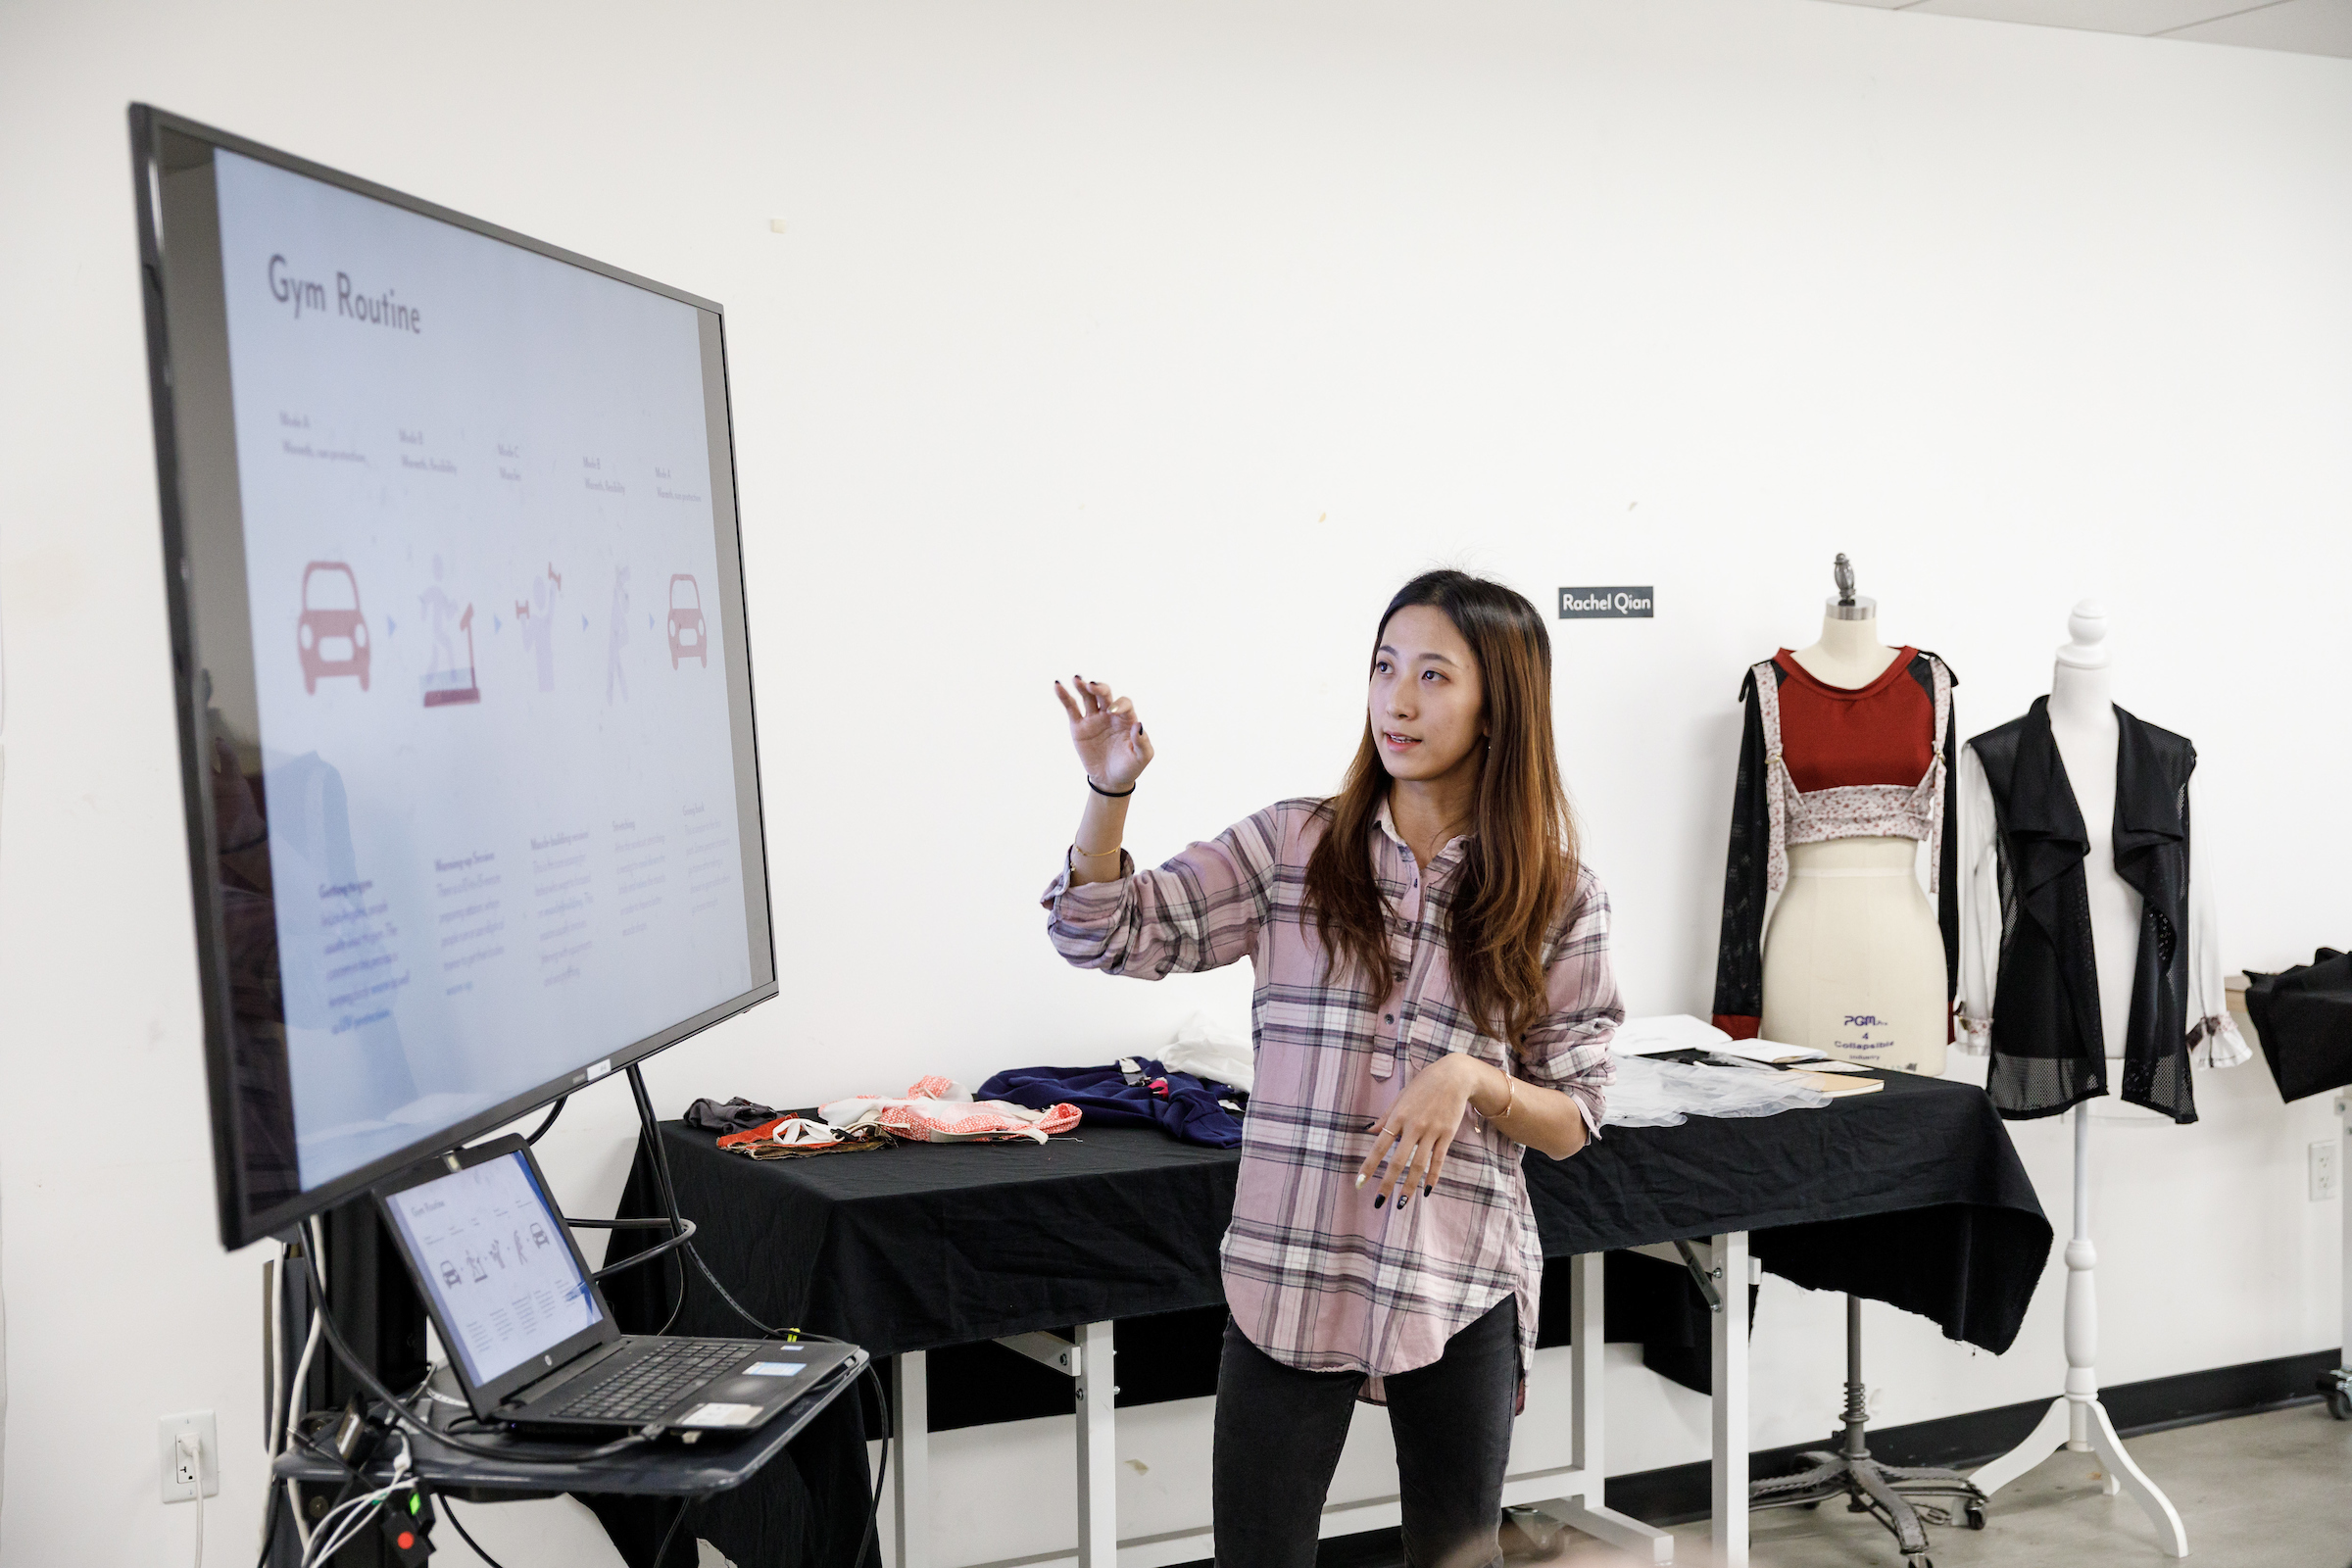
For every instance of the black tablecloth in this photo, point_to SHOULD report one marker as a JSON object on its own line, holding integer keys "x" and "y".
{"x": 1912, "y": 1194}
{"x": 926, "y": 1244}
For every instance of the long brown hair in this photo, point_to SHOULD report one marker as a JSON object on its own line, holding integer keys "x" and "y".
{"x": 1519, "y": 865}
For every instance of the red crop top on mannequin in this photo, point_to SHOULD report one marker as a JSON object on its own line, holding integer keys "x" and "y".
{"x": 1818, "y": 762}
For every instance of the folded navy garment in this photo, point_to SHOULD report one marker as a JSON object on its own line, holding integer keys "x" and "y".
{"x": 1133, "y": 1091}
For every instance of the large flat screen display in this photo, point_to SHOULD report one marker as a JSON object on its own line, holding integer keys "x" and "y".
{"x": 457, "y": 604}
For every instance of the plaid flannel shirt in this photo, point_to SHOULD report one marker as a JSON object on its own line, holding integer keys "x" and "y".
{"x": 1315, "y": 1275}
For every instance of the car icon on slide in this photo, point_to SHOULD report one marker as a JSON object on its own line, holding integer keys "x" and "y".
{"x": 333, "y": 635}
{"x": 689, "y": 637}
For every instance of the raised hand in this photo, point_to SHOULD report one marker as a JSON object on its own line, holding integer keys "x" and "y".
{"x": 1108, "y": 736}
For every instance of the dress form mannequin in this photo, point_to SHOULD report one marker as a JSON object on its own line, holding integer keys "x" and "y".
{"x": 1853, "y": 958}
{"x": 2082, "y": 723}
{"x": 1849, "y": 653}
{"x": 1854, "y": 965}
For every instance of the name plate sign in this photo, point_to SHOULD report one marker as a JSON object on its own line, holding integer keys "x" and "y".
{"x": 1607, "y": 604}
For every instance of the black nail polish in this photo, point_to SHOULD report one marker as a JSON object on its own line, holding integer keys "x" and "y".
{"x": 1380, "y": 1200}
{"x": 1401, "y": 1201}
{"x": 1425, "y": 1191}
{"x": 1368, "y": 1126}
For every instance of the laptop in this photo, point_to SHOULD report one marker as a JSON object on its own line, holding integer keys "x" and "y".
{"x": 529, "y": 1336}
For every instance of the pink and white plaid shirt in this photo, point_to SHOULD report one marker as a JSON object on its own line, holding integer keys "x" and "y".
{"x": 1316, "y": 1277}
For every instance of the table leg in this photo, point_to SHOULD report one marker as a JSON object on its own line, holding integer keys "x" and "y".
{"x": 1587, "y": 1364}
{"x": 1731, "y": 1400}
{"x": 1097, "y": 1451}
{"x": 911, "y": 1459}
{"x": 1585, "y": 1507}
{"x": 2340, "y": 1404}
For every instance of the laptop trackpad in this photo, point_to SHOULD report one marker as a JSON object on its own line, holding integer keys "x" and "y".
{"x": 715, "y": 1413}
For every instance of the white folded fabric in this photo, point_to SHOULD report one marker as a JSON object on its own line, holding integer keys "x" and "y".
{"x": 1214, "y": 1051}
{"x": 1666, "y": 1093}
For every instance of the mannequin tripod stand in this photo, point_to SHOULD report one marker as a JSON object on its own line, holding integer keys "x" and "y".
{"x": 1868, "y": 1486}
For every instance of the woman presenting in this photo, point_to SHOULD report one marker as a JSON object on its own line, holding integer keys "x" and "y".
{"x": 1433, "y": 992}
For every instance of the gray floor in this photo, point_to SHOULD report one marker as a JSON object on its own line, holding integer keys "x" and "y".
{"x": 2273, "y": 1490}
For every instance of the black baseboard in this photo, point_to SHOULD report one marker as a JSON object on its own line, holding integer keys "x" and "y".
{"x": 1678, "y": 1494}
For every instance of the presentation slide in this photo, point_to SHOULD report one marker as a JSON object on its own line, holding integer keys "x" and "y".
{"x": 486, "y": 1243}
{"x": 489, "y": 658}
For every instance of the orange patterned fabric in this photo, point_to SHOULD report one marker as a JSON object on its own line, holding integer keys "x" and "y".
{"x": 926, "y": 1115}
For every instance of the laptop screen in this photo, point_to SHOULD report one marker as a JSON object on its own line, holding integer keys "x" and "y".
{"x": 491, "y": 1249}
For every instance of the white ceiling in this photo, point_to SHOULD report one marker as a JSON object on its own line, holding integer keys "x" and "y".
{"x": 2301, "y": 26}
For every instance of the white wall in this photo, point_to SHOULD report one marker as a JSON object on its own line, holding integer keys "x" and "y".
{"x": 1163, "y": 341}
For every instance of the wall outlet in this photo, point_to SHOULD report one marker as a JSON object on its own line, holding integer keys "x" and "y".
{"x": 180, "y": 1480}
{"x": 2327, "y": 1169}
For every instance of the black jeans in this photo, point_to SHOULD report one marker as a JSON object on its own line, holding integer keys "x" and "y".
{"x": 1279, "y": 1433}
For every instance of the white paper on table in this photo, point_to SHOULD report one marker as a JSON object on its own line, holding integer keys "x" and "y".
{"x": 1674, "y": 1031}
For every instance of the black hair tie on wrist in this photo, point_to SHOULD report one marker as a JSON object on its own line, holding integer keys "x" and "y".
{"x": 1115, "y": 795}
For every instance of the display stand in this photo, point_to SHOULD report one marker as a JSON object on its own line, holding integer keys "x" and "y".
{"x": 1870, "y": 1487}
{"x": 2078, "y": 1420}
{"x": 383, "y": 1319}
{"x": 533, "y": 1467}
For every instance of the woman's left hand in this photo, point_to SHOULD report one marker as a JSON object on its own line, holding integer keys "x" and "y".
{"x": 1420, "y": 1127}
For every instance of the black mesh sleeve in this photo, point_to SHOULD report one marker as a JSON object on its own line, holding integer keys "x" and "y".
{"x": 1947, "y": 872}
{"x": 1739, "y": 954}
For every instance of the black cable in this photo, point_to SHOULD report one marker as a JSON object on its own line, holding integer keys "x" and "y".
{"x": 635, "y": 1258}
{"x": 873, "y": 1518}
{"x": 672, "y": 1244}
{"x": 685, "y": 1506}
{"x": 277, "y": 1499}
{"x": 451, "y": 1514}
{"x": 553, "y": 1112}
{"x": 400, "y": 1412}
{"x": 669, "y": 1205}
{"x": 696, "y": 1254}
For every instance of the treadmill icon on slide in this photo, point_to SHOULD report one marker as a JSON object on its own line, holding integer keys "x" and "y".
{"x": 331, "y": 635}
{"x": 689, "y": 635}
{"x": 443, "y": 687}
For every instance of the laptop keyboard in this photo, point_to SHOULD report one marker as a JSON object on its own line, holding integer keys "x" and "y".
{"x": 642, "y": 1388}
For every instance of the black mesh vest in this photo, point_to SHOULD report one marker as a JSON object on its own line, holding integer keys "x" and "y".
{"x": 2048, "y": 1050}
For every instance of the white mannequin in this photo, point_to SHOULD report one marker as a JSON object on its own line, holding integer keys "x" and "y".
{"x": 1852, "y": 935}
{"x": 1849, "y": 653}
{"x": 2082, "y": 723}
